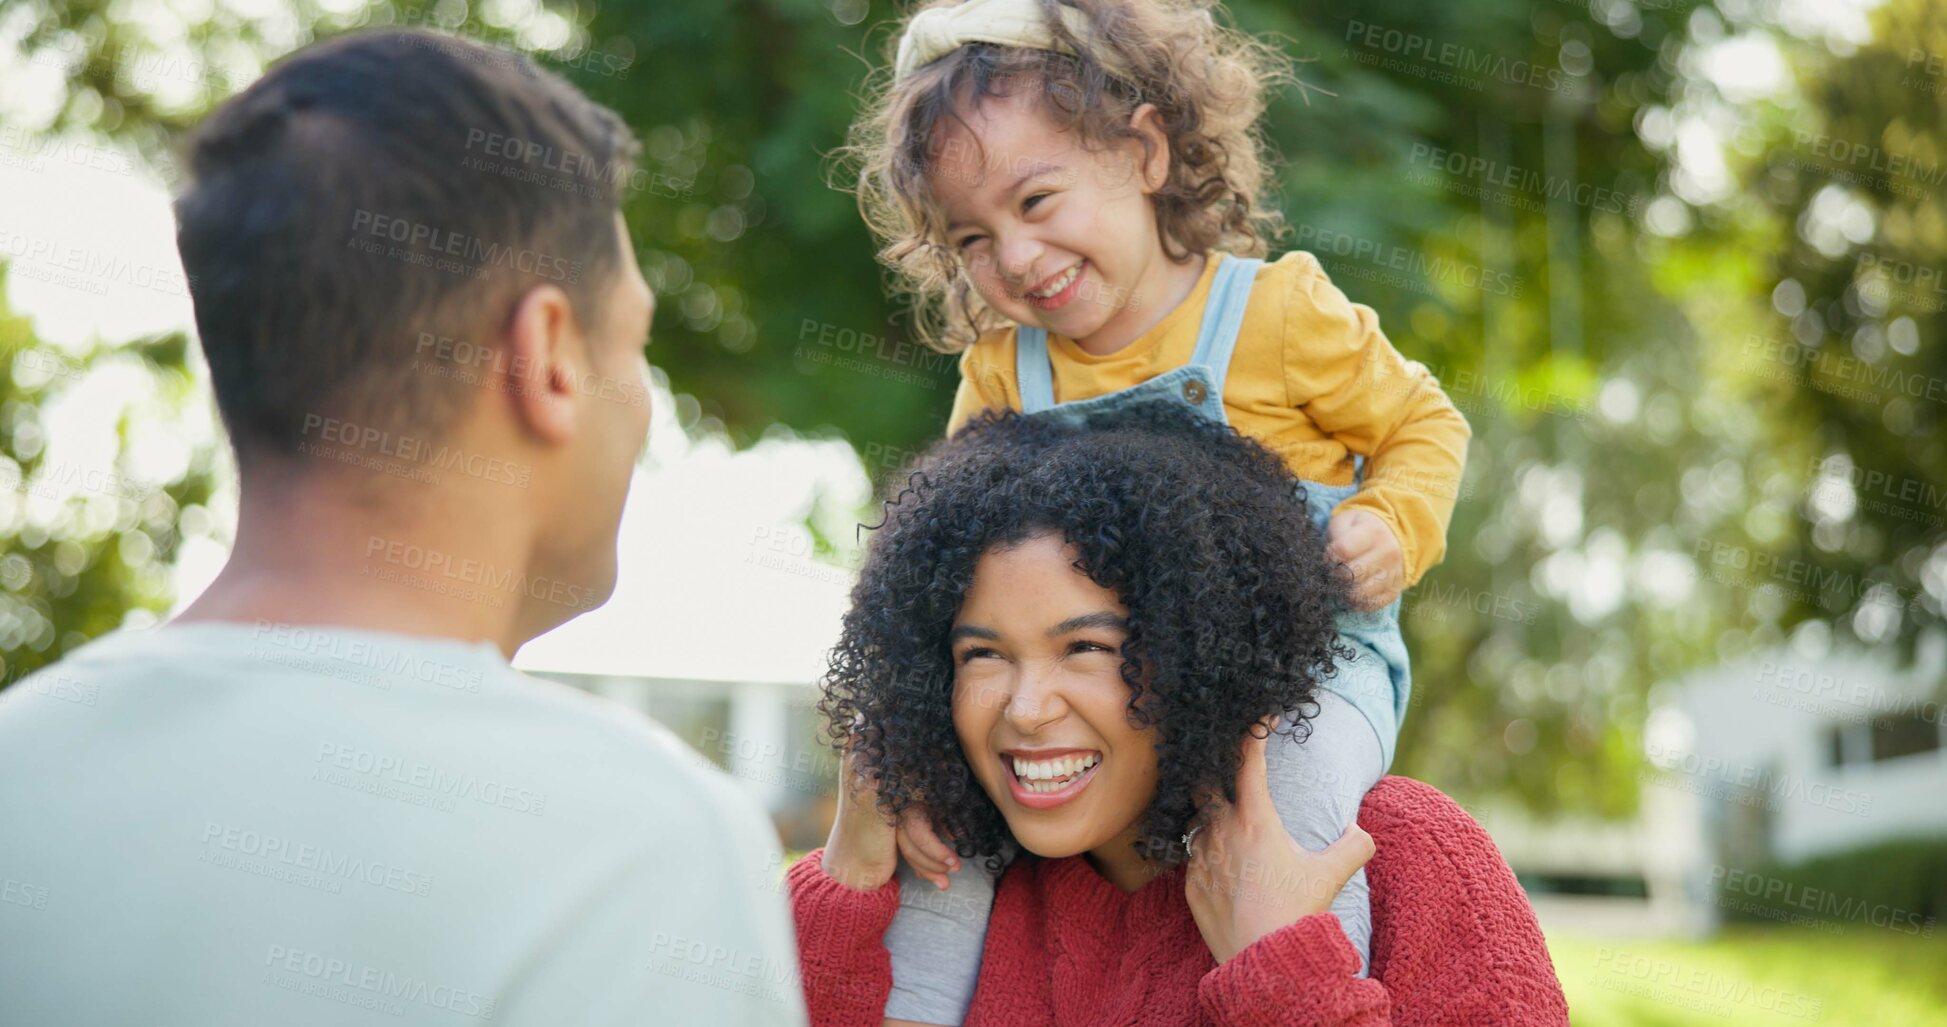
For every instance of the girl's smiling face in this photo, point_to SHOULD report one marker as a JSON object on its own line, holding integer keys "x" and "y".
{"x": 1041, "y": 709}
{"x": 1053, "y": 233}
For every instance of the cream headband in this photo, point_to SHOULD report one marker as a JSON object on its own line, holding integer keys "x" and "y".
{"x": 938, "y": 31}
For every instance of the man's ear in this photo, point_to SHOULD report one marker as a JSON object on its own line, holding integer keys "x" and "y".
{"x": 1148, "y": 125}
{"x": 545, "y": 344}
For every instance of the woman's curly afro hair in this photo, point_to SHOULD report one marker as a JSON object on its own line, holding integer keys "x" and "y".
{"x": 1203, "y": 534}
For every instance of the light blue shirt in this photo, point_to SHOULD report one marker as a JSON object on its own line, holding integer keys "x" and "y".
{"x": 217, "y": 824}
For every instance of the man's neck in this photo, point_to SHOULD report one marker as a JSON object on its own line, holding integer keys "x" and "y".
{"x": 340, "y": 549}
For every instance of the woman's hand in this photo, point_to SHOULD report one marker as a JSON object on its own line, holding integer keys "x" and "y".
{"x": 924, "y": 851}
{"x": 1247, "y": 877}
{"x": 860, "y": 853}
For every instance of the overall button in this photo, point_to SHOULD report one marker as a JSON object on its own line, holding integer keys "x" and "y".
{"x": 1194, "y": 391}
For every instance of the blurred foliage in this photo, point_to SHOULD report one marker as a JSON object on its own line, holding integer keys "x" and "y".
{"x": 85, "y": 546}
{"x": 1587, "y": 298}
{"x": 1849, "y": 189}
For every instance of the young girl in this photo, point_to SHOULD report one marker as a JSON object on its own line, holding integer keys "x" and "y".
{"x": 1069, "y": 191}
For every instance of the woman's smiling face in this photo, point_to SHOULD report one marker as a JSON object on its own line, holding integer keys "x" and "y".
{"x": 1041, "y": 709}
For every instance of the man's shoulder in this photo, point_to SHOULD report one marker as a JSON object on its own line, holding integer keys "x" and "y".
{"x": 637, "y": 768}
{"x": 467, "y": 696}
{"x": 589, "y": 724}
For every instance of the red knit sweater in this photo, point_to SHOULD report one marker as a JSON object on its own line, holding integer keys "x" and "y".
{"x": 1454, "y": 943}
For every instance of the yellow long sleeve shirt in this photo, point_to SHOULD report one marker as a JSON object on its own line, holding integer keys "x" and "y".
{"x": 1312, "y": 378}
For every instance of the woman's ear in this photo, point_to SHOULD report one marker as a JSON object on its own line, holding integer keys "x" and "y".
{"x": 1147, "y": 123}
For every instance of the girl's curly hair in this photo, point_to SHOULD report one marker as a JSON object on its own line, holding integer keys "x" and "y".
{"x": 1202, "y": 532}
{"x": 1208, "y": 82}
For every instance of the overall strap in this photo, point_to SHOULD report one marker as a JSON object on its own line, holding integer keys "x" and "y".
{"x": 1032, "y": 371}
{"x": 1223, "y": 315}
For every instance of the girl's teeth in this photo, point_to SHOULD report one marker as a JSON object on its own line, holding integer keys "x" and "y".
{"x": 1059, "y": 285}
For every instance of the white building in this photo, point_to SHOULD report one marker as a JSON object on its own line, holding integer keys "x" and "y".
{"x": 1784, "y": 757}
{"x": 1777, "y": 758}
{"x": 723, "y": 612}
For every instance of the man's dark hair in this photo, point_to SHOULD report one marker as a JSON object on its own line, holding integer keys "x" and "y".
{"x": 372, "y": 194}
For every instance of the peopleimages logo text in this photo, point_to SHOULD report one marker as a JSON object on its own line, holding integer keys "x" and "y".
{"x": 369, "y": 439}
{"x": 1453, "y": 56}
{"x": 424, "y": 238}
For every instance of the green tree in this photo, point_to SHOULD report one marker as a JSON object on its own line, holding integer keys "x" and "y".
{"x": 85, "y": 546}
{"x": 1842, "y": 330}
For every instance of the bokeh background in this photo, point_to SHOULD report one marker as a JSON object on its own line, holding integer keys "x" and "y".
{"x": 1683, "y": 265}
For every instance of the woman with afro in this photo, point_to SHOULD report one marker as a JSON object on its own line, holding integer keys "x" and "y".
{"x": 1079, "y": 643}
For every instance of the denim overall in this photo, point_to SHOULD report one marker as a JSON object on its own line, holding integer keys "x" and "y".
{"x": 1377, "y": 681}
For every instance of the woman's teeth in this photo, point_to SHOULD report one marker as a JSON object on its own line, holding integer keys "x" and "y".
{"x": 1053, "y": 775}
{"x": 1056, "y": 286}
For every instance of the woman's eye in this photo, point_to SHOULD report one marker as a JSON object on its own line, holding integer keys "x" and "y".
{"x": 1089, "y": 647}
{"x": 969, "y": 655}
{"x": 1028, "y": 204}
{"x": 968, "y": 240}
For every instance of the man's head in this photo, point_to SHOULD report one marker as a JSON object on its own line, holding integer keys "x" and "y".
{"x": 407, "y": 260}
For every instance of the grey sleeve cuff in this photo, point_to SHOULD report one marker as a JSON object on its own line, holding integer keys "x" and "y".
{"x": 1317, "y": 787}
{"x": 935, "y": 942}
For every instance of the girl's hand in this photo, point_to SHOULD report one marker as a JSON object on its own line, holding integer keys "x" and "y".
{"x": 1247, "y": 877}
{"x": 1370, "y": 557}
{"x": 860, "y": 853}
{"x": 923, "y": 850}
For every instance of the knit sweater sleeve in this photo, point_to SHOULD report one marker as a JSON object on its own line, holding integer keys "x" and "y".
{"x": 1455, "y": 942}
{"x": 1454, "y": 936}
{"x": 842, "y": 958}
{"x": 1301, "y": 974}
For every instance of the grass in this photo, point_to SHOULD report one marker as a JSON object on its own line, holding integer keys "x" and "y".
{"x": 1757, "y": 976}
